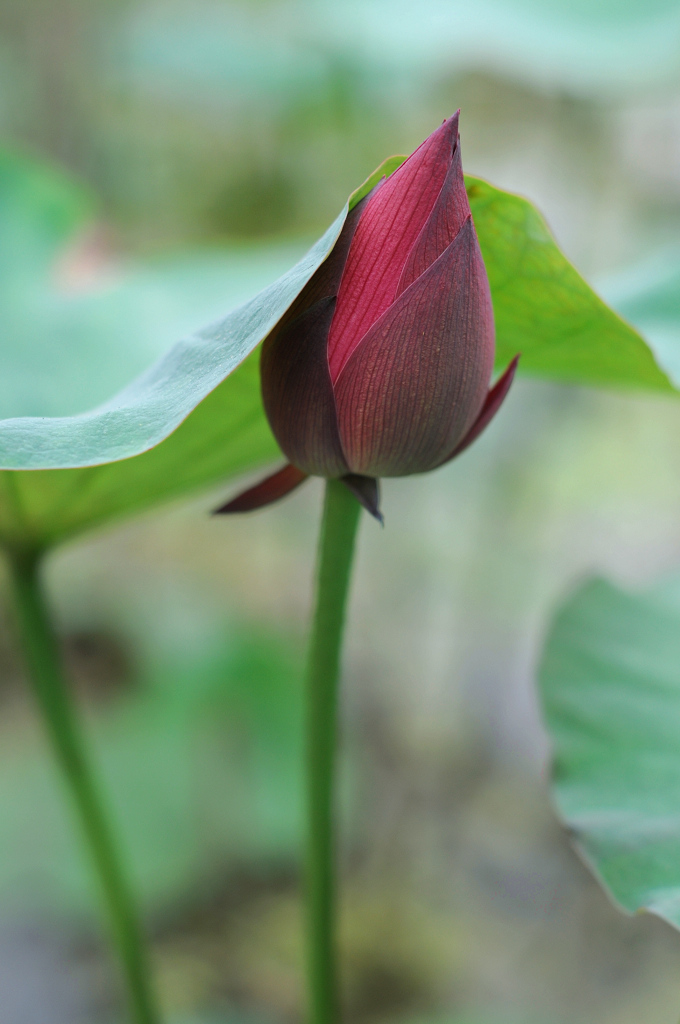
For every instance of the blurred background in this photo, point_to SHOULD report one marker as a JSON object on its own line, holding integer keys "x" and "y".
{"x": 206, "y": 145}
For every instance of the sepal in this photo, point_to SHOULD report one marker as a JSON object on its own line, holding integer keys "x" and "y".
{"x": 274, "y": 487}
{"x": 366, "y": 489}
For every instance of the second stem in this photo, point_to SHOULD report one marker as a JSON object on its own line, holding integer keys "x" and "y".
{"x": 336, "y": 547}
{"x": 52, "y": 692}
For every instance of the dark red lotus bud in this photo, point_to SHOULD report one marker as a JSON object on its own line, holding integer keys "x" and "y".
{"x": 381, "y": 367}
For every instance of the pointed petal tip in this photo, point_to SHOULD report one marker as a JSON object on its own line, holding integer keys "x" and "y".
{"x": 366, "y": 489}
{"x": 269, "y": 490}
{"x": 451, "y": 125}
{"x": 510, "y": 372}
{"x": 379, "y": 517}
{"x": 449, "y": 128}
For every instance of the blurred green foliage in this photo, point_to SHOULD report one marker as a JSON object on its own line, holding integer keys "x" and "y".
{"x": 648, "y": 296}
{"x": 201, "y": 759}
{"x": 610, "y": 680}
{"x": 242, "y": 118}
{"x": 78, "y": 326}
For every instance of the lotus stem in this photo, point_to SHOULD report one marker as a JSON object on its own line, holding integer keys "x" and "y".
{"x": 336, "y": 547}
{"x": 51, "y": 690}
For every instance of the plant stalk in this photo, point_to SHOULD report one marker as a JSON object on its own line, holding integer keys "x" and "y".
{"x": 46, "y": 674}
{"x": 336, "y": 547}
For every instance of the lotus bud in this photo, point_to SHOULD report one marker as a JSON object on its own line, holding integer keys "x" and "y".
{"x": 381, "y": 367}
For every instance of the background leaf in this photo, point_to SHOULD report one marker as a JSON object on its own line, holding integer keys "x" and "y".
{"x": 648, "y": 295}
{"x": 201, "y": 760}
{"x": 543, "y": 307}
{"x": 610, "y": 681}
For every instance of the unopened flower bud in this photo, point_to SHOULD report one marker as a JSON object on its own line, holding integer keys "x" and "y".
{"x": 381, "y": 367}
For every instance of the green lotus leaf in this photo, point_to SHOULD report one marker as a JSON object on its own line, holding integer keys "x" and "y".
{"x": 610, "y": 682}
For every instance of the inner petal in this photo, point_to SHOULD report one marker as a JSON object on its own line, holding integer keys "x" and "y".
{"x": 389, "y": 226}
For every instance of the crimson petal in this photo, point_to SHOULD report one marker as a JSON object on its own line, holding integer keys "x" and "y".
{"x": 267, "y": 491}
{"x": 298, "y": 394}
{"x": 416, "y": 384}
{"x": 449, "y": 213}
{"x": 493, "y": 402}
{"x": 294, "y": 363}
{"x": 389, "y": 226}
{"x": 326, "y": 280}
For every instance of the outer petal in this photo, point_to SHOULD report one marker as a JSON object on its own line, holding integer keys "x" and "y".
{"x": 267, "y": 491}
{"x": 326, "y": 281}
{"x": 390, "y": 224}
{"x": 418, "y": 381}
{"x": 294, "y": 367}
{"x": 492, "y": 404}
{"x": 449, "y": 213}
{"x": 298, "y": 394}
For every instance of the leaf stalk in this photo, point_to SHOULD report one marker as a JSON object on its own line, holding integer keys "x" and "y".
{"x": 45, "y": 672}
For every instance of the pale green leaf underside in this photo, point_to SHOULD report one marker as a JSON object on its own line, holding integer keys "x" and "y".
{"x": 191, "y": 420}
{"x": 153, "y": 406}
{"x": 610, "y": 682}
{"x": 85, "y": 469}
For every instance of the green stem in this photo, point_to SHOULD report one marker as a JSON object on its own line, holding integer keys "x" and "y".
{"x": 52, "y": 693}
{"x": 336, "y": 546}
